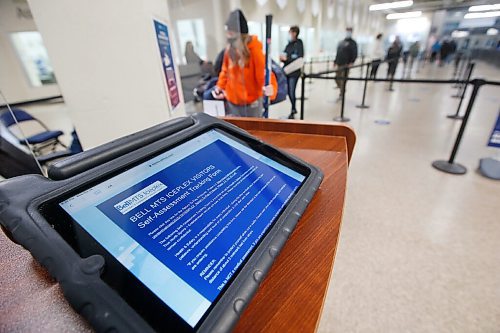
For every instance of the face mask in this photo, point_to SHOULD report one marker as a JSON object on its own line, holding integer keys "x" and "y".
{"x": 232, "y": 40}
{"x": 348, "y": 34}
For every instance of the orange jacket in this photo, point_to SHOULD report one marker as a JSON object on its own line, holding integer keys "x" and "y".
{"x": 243, "y": 85}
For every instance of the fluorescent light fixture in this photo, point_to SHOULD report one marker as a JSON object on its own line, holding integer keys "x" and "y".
{"x": 459, "y": 34}
{"x": 481, "y": 15}
{"x": 405, "y": 15}
{"x": 492, "y": 32}
{"x": 483, "y": 8}
{"x": 390, "y": 5}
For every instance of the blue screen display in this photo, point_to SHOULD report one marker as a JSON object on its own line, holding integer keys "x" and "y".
{"x": 184, "y": 221}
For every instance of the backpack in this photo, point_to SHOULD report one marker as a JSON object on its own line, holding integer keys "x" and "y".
{"x": 282, "y": 83}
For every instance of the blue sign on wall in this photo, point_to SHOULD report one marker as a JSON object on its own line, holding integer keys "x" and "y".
{"x": 495, "y": 135}
{"x": 168, "y": 62}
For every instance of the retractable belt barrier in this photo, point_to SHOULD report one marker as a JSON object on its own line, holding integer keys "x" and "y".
{"x": 465, "y": 72}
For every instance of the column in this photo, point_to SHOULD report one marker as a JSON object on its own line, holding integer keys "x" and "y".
{"x": 108, "y": 65}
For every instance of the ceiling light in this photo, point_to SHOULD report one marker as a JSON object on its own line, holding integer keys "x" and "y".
{"x": 405, "y": 15}
{"x": 483, "y": 8}
{"x": 492, "y": 32}
{"x": 390, "y": 5}
{"x": 459, "y": 34}
{"x": 481, "y": 15}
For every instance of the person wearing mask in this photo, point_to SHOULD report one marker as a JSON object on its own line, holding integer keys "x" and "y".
{"x": 293, "y": 51}
{"x": 393, "y": 55}
{"x": 242, "y": 76}
{"x": 347, "y": 52}
{"x": 377, "y": 55}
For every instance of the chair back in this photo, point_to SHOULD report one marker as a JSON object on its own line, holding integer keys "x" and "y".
{"x": 21, "y": 115}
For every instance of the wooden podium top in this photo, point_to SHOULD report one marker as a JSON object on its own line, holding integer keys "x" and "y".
{"x": 291, "y": 296}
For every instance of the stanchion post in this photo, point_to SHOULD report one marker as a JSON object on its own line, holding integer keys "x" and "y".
{"x": 363, "y": 105}
{"x": 469, "y": 74}
{"x": 463, "y": 75}
{"x": 342, "y": 106}
{"x": 450, "y": 166}
{"x": 302, "y": 93}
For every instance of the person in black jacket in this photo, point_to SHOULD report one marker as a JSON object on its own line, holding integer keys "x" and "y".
{"x": 293, "y": 51}
{"x": 347, "y": 52}
{"x": 393, "y": 55}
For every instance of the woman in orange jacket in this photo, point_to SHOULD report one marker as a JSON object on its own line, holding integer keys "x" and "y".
{"x": 241, "y": 80}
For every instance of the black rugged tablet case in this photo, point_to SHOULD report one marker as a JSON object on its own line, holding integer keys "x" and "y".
{"x": 79, "y": 278}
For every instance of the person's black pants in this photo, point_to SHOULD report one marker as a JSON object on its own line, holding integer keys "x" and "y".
{"x": 292, "y": 86}
{"x": 392, "y": 66}
{"x": 340, "y": 78}
{"x": 375, "y": 64}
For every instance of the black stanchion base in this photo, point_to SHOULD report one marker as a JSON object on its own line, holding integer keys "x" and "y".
{"x": 456, "y": 96}
{"x": 454, "y": 116}
{"x": 390, "y": 89}
{"x": 362, "y": 106}
{"x": 341, "y": 119}
{"x": 453, "y": 168}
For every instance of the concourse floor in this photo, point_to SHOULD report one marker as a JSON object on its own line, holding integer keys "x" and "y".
{"x": 419, "y": 249}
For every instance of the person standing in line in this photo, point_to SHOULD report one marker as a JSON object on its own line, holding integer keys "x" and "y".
{"x": 293, "y": 51}
{"x": 393, "y": 55}
{"x": 414, "y": 52}
{"x": 347, "y": 52}
{"x": 435, "y": 50}
{"x": 377, "y": 55}
{"x": 444, "y": 52}
{"x": 241, "y": 80}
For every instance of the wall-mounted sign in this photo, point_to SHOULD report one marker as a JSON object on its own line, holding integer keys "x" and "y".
{"x": 167, "y": 60}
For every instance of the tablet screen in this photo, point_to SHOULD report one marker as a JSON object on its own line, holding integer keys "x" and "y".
{"x": 184, "y": 221}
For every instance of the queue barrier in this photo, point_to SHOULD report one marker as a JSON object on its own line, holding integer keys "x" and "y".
{"x": 449, "y": 165}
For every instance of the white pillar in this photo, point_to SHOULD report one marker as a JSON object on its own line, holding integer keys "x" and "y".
{"x": 108, "y": 65}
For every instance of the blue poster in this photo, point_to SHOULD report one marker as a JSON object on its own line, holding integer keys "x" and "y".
{"x": 495, "y": 135}
{"x": 168, "y": 62}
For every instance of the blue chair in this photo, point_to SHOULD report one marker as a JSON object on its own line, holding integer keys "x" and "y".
{"x": 39, "y": 141}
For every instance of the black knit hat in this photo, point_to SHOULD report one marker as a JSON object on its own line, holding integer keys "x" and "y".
{"x": 237, "y": 22}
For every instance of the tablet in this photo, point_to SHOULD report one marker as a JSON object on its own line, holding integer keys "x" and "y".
{"x": 182, "y": 235}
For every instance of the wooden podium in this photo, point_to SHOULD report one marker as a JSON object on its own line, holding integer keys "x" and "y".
{"x": 291, "y": 297}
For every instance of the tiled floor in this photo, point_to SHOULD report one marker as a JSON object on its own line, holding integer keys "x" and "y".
{"x": 419, "y": 249}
